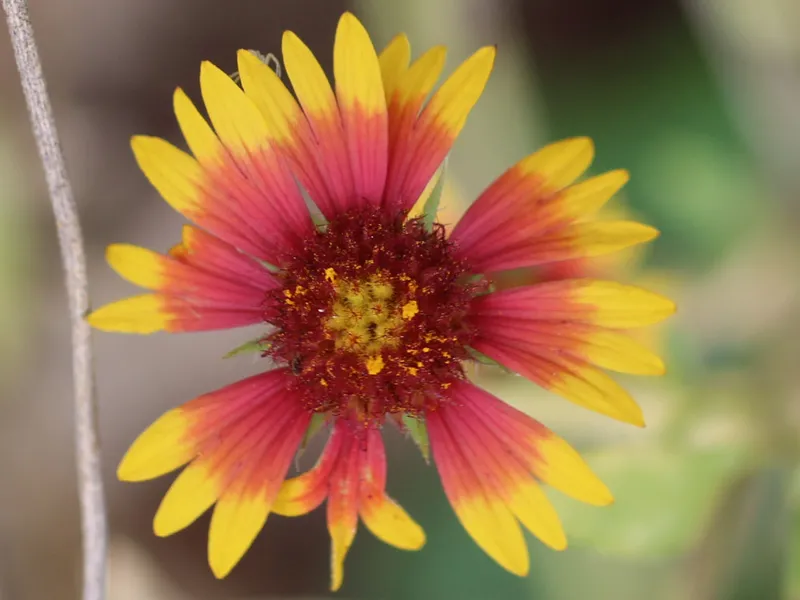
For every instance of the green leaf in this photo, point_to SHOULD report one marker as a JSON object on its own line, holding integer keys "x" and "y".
{"x": 664, "y": 498}
{"x": 258, "y": 345}
{"x": 416, "y": 429}
{"x": 431, "y": 207}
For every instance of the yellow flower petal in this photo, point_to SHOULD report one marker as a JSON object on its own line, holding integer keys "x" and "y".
{"x": 605, "y": 237}
{"x": 308, "y": 79}
{"x": 537, "y": 514}
{"x": 235, "y": 118}
{"x": 620, "y": 306}
{"x": 175, "y": 174}
{"x": 192, "y": 493}
{"x": 561, "y": 467}
{"x": 390, "y": 523}
{"x": 585, "y": 198}
{"x": 237, "y": 520}
{"x": 593, "y": 389}
{"x": 452, "y": 103}
{"x": 140, "y": 314}
{"x": 356, "y": 69}
{"x": 140, "y": 266}
{"x": 559, "y": 164}
{"x": 619, "y": 352}
{"x": 159, "y": 449}
{"x": 418, "y": 80}
{"x": 267, "y": 91}
{"x": 200, "y": 138}
{"x": 495, "y": 529}
{"x": 342, "y": 532}
{"x": 394, "y": 60}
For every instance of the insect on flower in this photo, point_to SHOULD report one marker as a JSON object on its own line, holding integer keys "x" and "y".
{"x": 374, "y": 314}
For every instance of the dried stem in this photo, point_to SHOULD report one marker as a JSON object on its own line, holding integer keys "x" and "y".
{"x": 90, "y": 485}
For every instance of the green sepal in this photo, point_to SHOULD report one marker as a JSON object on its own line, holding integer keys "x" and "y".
{"x": 431, "y": 208}
{"x": 316, "y": 423}
{"x": 259, "y": 345}
{"x": 489, "y": 362}
{"x": 418, "y": 432}
{"x": 314, "y": 426}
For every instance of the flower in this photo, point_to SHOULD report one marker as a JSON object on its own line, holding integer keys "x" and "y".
{"x": 373, "y": 314}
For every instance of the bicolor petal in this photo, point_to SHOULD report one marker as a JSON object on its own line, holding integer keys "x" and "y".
{"x": 552, "y": 334}
{"x": 316, "y": 96}
{"x": 394, "y": 61}
{"x": 236, "y": 186}
{"x": 362, "y": 104}
{"x": 239, "y": 442}
{"x": 490, "y": 457}
{"x": 351, "y": 474}
{"x": 420, "y": 142}
{"x": 529, "y": 216}
{"x": 203, "y": 284}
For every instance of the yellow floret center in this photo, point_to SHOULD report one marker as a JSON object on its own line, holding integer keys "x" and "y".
{"x": 366, "y": 318}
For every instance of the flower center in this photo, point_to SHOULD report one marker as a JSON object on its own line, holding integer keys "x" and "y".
{"x": 371, "y": 316}
{"x": 366, "y": 317}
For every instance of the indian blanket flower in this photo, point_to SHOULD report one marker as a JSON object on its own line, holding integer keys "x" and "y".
{"x": 372, "y": 315}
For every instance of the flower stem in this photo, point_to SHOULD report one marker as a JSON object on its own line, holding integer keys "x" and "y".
{"x": 90, "y": 484}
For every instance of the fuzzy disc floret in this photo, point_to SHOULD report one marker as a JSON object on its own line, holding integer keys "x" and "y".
{"x": 371, "y": 316}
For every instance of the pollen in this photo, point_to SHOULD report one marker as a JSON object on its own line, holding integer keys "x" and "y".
{"x": 364, "y": 320}
{"x": 375, "y": 365}
{"x": 374, "y": 310}
{"x": 410, "y": 309}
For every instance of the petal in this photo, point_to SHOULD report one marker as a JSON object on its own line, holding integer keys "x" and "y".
{"x": 204, "y": 251}
{"x": 571, "y": 378}
{"x": 253, "y": 177}
{"x": 603, "y": 347}
{"x": 172, "y": 277}
{"x": 319, "y": 104}
{"x": 236, "y": 120}
{"x": 302, "y": 494}
{"x": 426, "y": 140}
{"x": 176, "y": 175}
{"x": 289, "y": 127}
{"x": 577, "y": 240}
{"x": 389, "y": 522}
{"x": 546, "y": 455}
{"x": 161, "y": 448}
{"x": 524, "y": 191}
{"x": 149, "y": 313}
{"x": 524, "y": 219}
{"x": 362, "y": 104}
{"x": 603, "y": 303}
{"x": 181, "y": 182}
{"x": 505, "y": 459}
{"x": 192, "y": 493}
{"x": 531, "y": 506}
{"x": 383, "y": 517}
{"x": 342, "y": 509}
{"x": 530, "y": 197}
{"x": 243, "y": 437}
{"x": 549, "y": 457}
{"x": 475, "y": 493}
{"x": 181, "y": 433}
{"x": 394, "y": 60}
{"x": 244, "y": 506}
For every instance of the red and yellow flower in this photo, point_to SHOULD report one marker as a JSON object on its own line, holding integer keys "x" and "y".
{"x": 373, "y": 314}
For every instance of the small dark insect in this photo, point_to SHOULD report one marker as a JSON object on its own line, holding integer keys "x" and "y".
{"x": 296, "y": 364}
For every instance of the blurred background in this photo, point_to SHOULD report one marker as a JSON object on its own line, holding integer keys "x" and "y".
{"x": 699, "y": 99}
